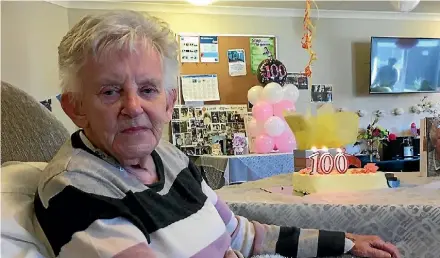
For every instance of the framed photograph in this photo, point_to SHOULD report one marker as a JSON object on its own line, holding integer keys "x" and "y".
{"x": 321, "y": 93}
{"x": 300, "y": 80}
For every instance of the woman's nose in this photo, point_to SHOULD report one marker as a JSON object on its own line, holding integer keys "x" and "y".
{"x": 131, "y": 105}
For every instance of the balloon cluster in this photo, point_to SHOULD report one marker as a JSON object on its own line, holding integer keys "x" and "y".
{"x": 268, "y": 125}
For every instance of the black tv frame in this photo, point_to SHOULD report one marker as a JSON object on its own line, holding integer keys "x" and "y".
{"x": 394, "y": 93}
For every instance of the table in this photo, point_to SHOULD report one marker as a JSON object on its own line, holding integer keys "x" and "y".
{"x": 397, "y": 165}
{"x": 408, "y": 216}
{"x": 225, "y": 170}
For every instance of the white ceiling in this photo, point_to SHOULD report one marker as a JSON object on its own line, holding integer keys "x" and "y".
{"x": 425, "y": 6}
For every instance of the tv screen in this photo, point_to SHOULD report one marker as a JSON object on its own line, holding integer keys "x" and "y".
{"x": 404, "y": 65}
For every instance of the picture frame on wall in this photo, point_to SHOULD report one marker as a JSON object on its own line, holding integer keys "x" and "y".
{"x": 300, "y": 80}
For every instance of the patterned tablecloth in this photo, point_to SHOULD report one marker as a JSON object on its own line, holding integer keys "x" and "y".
{"x": 408, "y": 216}
{"x": 224, "y": 170}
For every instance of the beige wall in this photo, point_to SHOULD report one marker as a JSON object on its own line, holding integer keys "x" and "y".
{"x": 341, "y": 45}
{"x": 31, "y": 32}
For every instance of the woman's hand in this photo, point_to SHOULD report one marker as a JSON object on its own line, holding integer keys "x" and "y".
{"x": 232, "y": 254}
{"x": 372, "y": 246}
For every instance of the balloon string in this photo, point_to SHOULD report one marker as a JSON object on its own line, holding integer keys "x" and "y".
{"x": 307, "y": 38}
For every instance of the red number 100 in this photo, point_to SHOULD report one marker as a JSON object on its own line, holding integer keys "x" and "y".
{"x": 327, "y": 163}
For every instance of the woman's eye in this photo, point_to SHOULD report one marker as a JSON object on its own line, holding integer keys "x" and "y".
{"x": 148, "y": 90}
{"x": 109, "y": 92}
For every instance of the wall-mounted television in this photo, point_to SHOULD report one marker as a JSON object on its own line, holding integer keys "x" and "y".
{"x": 404, "y": 65}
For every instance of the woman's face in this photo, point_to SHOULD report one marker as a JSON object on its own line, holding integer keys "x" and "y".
{"x": 124, "y": 103}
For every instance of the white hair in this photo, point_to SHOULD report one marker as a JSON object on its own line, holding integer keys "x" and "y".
{"x": 98, "y": 35}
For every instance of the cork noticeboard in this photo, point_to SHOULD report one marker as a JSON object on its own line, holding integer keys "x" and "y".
{"x": 232, "y": 90}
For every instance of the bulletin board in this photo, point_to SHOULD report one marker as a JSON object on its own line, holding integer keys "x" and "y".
{"x": 232, "y": 90}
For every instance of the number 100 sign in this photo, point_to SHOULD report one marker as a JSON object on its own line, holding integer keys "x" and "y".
{"x": 325, "y": 163}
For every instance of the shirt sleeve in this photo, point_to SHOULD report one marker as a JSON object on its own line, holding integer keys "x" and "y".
{"x": 253, "y": 238}
{"x": 108, "y": 238}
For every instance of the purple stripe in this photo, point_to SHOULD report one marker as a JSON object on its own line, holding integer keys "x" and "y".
{"x": 217, "y": 248}
{"x": 223, "y": 210}
{"x": 141, "y": 250}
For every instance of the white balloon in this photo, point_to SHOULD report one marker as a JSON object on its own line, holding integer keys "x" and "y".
{"x": 290, "y": 92}
{"x": 272, "y": 93}
{"x": 274, "y": 126}
{"x": 254, "y": 94}
{"x": 405, "y": 5}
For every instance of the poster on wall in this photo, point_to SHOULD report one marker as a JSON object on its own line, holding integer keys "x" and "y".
{"x": 189, "y": 49}
{"x": 236, "y": 62}
{"x": 261, "y": 48}
{"x": 300, "y": 80}
{"x": 209, "y": 49}
{"x": 321, "y": 93}
{"x": 200, "y": 87}
{"x": 195, "y": 129}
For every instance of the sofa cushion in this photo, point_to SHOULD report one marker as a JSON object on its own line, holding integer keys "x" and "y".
{"x": 29, "y": 131}
{"x": 19, "y": 182}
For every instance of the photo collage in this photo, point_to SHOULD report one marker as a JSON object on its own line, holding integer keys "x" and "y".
{"x": 195, "y": 129}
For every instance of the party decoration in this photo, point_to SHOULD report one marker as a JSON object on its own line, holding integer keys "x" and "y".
{"x": 274, "y": 126}
{"x": 283, "y": 106}
{"x": 290, "y": 92}
{"x": 307, "y": 38}
{"x": 264, "y": 144}
{"x": 286, "y": 142}
{"x": 324, "y": 163}
{"x": 397, "y": 111}
{"x": 262, "y": 111}
{"x": 267, "y": 127}
{"x": 255, "y": 128}
{"x": 405, "y": 5}
{"x": 328, "y": 128}
{"x": 379, "y": 113}
{"x": 272, "y": 93}
{"x": 271, "y": 70}
{"x": 361, "y": 113}
{"x": 254, "y": 94}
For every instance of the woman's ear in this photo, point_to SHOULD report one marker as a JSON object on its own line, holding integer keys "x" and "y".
{"x": 72, "y": 106}
{"x": 171, "y": 101}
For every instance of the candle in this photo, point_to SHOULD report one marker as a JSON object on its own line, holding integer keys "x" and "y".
{"x": 323, "y": 162}
{"x": 326, "y": 163}
{"x": 341, "y": 163}
{"x": 314, "y": 158}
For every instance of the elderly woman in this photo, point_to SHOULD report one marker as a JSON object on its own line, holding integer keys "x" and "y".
{"x": 116, "y": 190}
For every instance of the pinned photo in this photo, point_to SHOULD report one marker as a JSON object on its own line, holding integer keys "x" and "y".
{"x": 321, "y": 93}
{"x": 183, "y": 113}
{"x": 176, "y": 114}
{"x": 300, "y": 80}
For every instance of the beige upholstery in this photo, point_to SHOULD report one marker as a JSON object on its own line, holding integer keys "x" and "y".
{"x": 29, "y": 131}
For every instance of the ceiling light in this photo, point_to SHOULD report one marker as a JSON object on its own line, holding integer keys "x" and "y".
{"x": 405, "y": 5}
{"x": 200, "y": 2}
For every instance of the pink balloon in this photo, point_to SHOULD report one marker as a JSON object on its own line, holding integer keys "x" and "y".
{"x": 263, "y": 144}
{"x": 280, "y": 107}
{"x": 286, "y": 142}
{"x": 262, "y": 111}
{"x": 255, "y": 128}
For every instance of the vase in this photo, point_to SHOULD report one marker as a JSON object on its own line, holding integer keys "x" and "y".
{"x": 373, "y": 151}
